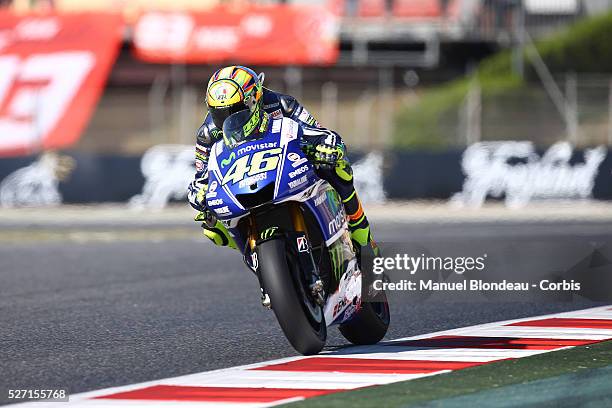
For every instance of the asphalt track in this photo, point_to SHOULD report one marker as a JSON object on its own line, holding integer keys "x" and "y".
{"x": 84, "y": 315}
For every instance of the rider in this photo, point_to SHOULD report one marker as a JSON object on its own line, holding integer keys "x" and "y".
{"x": 235, "y": 88}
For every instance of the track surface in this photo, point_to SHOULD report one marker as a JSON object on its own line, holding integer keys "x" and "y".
{"x": 90, "y": 315}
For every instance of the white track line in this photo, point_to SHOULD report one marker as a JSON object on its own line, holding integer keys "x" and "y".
{"x": 454, "y": 354}
{"x": 541, "y": 332}
{"x": 295, "y": 379}
{"x": 376, "y": 361}
{"x": 155, "y": 404}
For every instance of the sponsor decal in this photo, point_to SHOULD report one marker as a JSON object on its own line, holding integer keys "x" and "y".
{"x": 290, "y": 131}
{"x": 297, "y": 172}
{"x": 212, "y": 189}
{"x": 276, "y": 126}
{"x": 223, "y": 210}
{"x": 293, "y": 157}
{"x": 515, "y": 170}
{"x": 337, "y": 222}
{"x": 227, "y": 161}
{"x": 215, "y": 135}
{"x": 299, "y": 162}
{"x": 254, "y": 261}
{"x": 268, "y": 232}
{"x": 258, "y": 146}
{"x": 350, "y": 311}
{"x": 199, "y": 165}
{"x": 298, "y": 182}
{"x": 296, "y": 160}
{"x": 339, "y": 306}
{"x": 276, "y": 114}
{"x": 213, "y": 186}
{"x": 212, "y": 203}
{"x": 320, "y": 199}
{"x": 252, "y": 180}
{"x": 302, "y": 244}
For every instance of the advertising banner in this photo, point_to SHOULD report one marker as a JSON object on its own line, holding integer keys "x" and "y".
{"x": 250, "y": 34}
{"x": 512, "y": 172}
{"x": 52, "y": 73}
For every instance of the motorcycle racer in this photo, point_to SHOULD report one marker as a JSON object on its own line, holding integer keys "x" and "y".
{"x": 235, "y": 88}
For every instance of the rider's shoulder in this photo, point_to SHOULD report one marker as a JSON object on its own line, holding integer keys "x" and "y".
{"x": 274, "y": 101}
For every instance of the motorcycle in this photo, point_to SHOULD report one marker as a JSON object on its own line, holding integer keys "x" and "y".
{"x": 293, "y": 231}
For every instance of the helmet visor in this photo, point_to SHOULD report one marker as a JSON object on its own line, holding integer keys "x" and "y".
{"x": 240, "y": 126}
{"x": 219, "y": 115}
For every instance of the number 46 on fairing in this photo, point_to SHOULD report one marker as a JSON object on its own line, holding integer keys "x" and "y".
{"x": 253, "y": 164}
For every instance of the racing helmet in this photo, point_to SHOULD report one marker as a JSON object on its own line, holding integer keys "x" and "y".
{"x": 233, "y": 89}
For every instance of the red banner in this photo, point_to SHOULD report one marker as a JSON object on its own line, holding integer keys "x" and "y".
{"x": 52, "y": 73}
{"x": 253, "y": 34}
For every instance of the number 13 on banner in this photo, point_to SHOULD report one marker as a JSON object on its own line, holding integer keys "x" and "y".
{"x": 35, "y": 93}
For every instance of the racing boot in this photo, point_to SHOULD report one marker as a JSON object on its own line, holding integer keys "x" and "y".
{"x": 359, "y": 227}
{"x": 365, "y": 247}
{"x": 215, "y": 230}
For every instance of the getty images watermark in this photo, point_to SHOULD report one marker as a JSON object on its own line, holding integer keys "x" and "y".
{"x": 383, "y": 267}
{"x": 412, "y": 264}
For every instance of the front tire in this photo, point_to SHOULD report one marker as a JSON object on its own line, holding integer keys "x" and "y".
{"x": 300, "y": 318}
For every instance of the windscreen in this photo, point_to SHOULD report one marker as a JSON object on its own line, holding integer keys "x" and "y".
{"x": 239, "y": 126}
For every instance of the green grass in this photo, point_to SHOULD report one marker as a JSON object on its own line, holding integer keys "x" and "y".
{"x": 431, "y": 124}
{"x": 590, "y": 387}
{"x": 471, "y": 380}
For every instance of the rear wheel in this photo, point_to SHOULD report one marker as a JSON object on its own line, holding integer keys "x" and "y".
{"x": 301, "y": 319}
{"x": 369, "y": 325}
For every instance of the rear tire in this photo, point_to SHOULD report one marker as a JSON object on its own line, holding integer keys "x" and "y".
{"x": 369, "y": 325}
{"x": 302, "y": 320}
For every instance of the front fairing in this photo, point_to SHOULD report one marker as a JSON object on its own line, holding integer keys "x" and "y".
{"x": 271, "y": 169}
{"x": 229, "y": 178}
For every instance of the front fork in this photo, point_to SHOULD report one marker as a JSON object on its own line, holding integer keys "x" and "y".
{"x": 298, "y": 239}
{"x": 307, "y": 263}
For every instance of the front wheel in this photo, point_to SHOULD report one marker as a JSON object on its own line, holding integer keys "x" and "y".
{"x": 301, "y": 319}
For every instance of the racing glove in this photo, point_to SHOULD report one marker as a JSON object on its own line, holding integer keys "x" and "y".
{"x": 207, "y": 218}
{"x": 197, "y": 194}
{"x": 329, "y": 153}
{"x": 197, "y": 199}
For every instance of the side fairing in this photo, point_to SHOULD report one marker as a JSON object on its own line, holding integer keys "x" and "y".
{"x": 297, "y": 181}
{"x": 325, "y": 204}
{"x": 295, "y": 174}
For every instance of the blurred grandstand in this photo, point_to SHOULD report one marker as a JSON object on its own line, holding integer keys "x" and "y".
{"x": 390, "y": 50}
